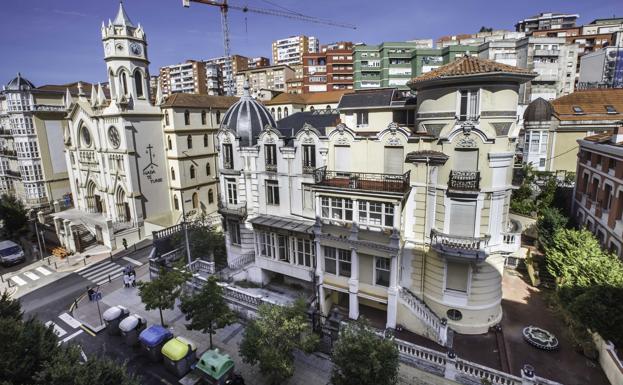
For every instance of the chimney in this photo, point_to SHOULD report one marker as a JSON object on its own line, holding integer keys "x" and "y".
{"x": 617, "y": 135}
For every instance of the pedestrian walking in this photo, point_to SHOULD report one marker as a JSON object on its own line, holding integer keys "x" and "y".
{"x": 126, "y": 280}
{"x": 133, "y": 279}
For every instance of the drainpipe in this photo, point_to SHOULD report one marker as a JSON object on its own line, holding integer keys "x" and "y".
{"x": 424, "y": 232}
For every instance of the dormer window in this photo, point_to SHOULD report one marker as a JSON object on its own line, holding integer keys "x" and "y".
{"x": 362, "y": 119}
{"x": 578, "y": 110}
{"x": 611, "y": 110}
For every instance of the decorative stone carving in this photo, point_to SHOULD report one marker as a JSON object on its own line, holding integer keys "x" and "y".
{"x": 270, "y": 139}
{"x": 466, "y": 142}
{"x": 393, "y": 126}
{"x": 226, "y": 139}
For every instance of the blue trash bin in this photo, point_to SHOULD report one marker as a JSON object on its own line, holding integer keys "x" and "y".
{"x": 152, "y": 339}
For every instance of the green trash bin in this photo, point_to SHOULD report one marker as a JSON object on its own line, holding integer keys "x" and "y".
{"x": 179, "y": 355}
{"x": 216, "y": 368}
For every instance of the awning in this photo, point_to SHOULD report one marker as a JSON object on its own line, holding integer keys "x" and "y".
{"x": 288, "y": 224}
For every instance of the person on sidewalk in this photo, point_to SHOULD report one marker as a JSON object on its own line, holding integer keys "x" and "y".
{"x": 90, "y": 292}
{"x": 126, "y": 280}
{"x": 131, "y": 279}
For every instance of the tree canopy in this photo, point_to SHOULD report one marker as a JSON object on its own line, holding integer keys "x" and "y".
{"x": 207, "y": 310}
{"x": 13, "y": 215}
{"x": 360, "y": 357}
{"x": 549, "y": 222}
{"x": 270, "y": 340}
{"x": 161, "y": 292}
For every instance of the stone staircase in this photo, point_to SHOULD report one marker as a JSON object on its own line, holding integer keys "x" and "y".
{"x": 437, "y": 328}
{"x": 84, "y": 237}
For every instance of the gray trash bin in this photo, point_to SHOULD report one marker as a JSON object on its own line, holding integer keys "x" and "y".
{"x": 114, "y": 316}
{"x": 130, "y": 328}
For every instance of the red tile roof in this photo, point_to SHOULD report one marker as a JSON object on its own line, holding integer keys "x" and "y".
{"x": 470, "y": 65}
{"x": 593, "y": 103}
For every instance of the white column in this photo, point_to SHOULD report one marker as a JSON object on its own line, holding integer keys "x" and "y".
{"x": 496, "y": 215}
{"x": 392, "y": 293}
{"x": 353, "y": 285}
{"x": 397, "y": 216}
{"x": 320, "y": 275}
{"x": 318, "y": 206}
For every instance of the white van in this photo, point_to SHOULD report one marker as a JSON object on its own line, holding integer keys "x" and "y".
{"x": 11, "y": 253}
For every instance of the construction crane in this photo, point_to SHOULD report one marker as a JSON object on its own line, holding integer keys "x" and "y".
{"x": 224, "y": 6}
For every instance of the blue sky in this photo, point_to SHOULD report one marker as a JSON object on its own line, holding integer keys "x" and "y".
{"x": 54, "y": 42}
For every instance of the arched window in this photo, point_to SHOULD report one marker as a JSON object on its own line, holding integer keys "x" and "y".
{"x": 218, "y": 117}
{"x": 195, "y": 200}
{"x": 208, "y": 169}
{"x": 166, "y": 118}
{"x": 285, "y": 112}
{"x": 111, "y": 82}
{"x": 328, "y": 108}
{"x": 203, "y": 117}
{"x": 210, "y": 196}
{"x": 272, "y": 111}
{"x": 205, "y": 140}
{"x": 138, "y": 82}
{"x": 311, "y": 108}
{"x": 124, "y": 82}
{"x": 77, "y": 187}
{"x": 169, "y": 143}
{"x": 279, "y": 113}
{"x": 192, "y": 172}
{"x": 187, "y": 117}
{"x": 189, "y": 141}
{"x": 172, "y": 173}
{"x": 176, "y": 203}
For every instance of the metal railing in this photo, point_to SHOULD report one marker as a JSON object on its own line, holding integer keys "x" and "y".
{"x": 397, "y": 183}
{"x": 271, "y": 167}
{"x": 459, "y": 245}
{"x": 464, "y": 180}
{"x": 228, "y": 164}
{"x": 7, "y": 152}
{"x": 237, "y": 209}
{"x": 242, "y": 260}
{"x": 48, "y": 107}
{"x": 308, "y": 169}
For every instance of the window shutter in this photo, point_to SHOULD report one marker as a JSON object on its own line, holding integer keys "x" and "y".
{"x": 393, "y": 160}
{"x": 463, "y": 220}
{"x": 465, "y": 160}
{"x": 342, "y": 158}
{"x": 456, "y": 276}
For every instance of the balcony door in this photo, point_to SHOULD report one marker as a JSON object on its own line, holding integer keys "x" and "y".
{"x": 463, "y": 219}
{"x": 466, "y": 159}
{"x": 394, "y": 160}
{"x": 342, "y": 158}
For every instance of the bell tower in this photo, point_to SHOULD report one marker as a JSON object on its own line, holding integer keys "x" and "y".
{"x": 125, "y": 53}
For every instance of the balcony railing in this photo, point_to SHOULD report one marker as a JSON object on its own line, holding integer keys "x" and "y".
{"x": 457, "y": 245}
{"x": 228, "y": 164}
{"x": 394, "y": 183}
{"x": 546, "y": 52}
{"x": 236, "y": 209}
{"x": 8, "y": 152}
{"x": 48, "y": 107}
{"x": 308, "y": 169}
{"x": 271, "y": 167}
{"x": 464, "y": 180}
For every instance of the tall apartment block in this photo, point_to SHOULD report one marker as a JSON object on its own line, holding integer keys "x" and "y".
{"x": 477, "y": 38}
{"x": 602, "y": 69}
{"x": 273, "y": 78}
{"x": 230, "y": 66}
{"x": 290, "y": 51}
{"x": 32, "y": 131}
{"x": 257, "y": 62}
{"x": 188, "y": 77}
{"x": 330, "y": 69}
{"x": 393, "y": 64}
{"x": 546, "y": 21}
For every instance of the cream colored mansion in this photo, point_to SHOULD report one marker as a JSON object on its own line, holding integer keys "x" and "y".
{"x": 399, "y": 212}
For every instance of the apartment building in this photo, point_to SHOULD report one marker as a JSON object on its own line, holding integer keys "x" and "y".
{"x": 602, "y": 68}
{"x": 290, "y": 51}
{"x": 190, "y": 123}
{"x": 229, "y": 66}
{"x": 285, "y": 104}
{"x": 272, "y": 78}
{"x": 547, "y": 20}
{"x": 394, "y": 64}
{"x": 553, "y": 128}
{"x": 398, "y": 213}
{"x": 475, "y": 39}
{"x": 32, "y": 125}
{"x": 330, "y": 69}
{"x": 188, "y": 77}
{"x": 598, "y": 195}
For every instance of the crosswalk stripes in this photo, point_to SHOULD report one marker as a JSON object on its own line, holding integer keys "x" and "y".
{"x": 18, "y": 281}
{"x": 102, "y": 273}
{"x": 43, "y": 270}
{"x": 31, "y": 275}
{"x": 60, "y": 332}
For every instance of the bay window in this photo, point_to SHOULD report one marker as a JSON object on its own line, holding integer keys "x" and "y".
{"x": 337, "y": 261}
{"x": 468, "y": 104}
{"x": 376, "y": 213}
{"x": 337, "y": 208}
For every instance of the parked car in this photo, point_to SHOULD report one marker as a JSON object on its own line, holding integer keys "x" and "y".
{"x": 11, "y": 253}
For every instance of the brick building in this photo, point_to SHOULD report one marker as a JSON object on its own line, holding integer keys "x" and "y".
{"x": 330, "y": 69}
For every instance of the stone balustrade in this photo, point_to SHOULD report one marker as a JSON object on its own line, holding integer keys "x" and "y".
{"x": 437, "y": 326}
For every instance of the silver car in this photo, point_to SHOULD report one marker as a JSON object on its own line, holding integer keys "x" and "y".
{"x": 11, "y": 253}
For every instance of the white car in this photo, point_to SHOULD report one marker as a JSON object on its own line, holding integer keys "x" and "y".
{"x": 11, "y": 253}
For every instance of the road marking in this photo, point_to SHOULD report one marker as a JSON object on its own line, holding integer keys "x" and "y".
{"x": 71, "y": 336}
{"x": 84, "y": 356}
{"x": 87, "y": 330}
{"x": 111, "y": 278}
{"x": 18, "y": 280}
{"x": 69, "y": 320}
{"x": 43, "y": 270}
{"x": 57, "y": 329}
{"x": 114, "y": 273}
{"x": 31, "y": 275}
{"x": 96, "y": 268}
{"x": 134, "y": 261}
{"x": 103, "y": 271}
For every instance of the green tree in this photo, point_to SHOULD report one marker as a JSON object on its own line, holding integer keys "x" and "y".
{"x": 13, "y": 215}
{"x": 66, "y": 368}
{"x": 485, "y": 29}
{"x": 360, "y": 357}
{"x": 10, "y": 308}
{"x": 549, "y": 222}
{"x": 207, "y": 310}
{"x": 270, "y": 339}
{"x": 206, "y": 242}
{"x": 599, "y": 308}
{"x": 522, "y": 199}
{"x": 161, "y": 292}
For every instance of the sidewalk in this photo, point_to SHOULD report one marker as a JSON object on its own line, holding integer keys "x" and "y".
{"x": 313, "y": 369}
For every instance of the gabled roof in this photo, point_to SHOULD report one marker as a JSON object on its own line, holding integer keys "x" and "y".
{"x": 592, "y": 103}
{"x": 319, "y": 119}
{"x": 308, "y": 98}
{"x": 376, "y": 98}
{"x": 470, "y": 66}
{"x": 199, "y": 101}
{"x": 73, "y": 88}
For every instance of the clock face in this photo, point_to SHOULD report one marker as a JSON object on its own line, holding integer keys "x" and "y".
{"x": 108, "y": 48}
{"x": 113, "y": 137}
{"x": 136, "y": 48}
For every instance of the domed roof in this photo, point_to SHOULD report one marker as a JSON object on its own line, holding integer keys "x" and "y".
{"x": 539, "y": 110}
{"x": 247, "y": 118}
{"x": 19, "y": 83}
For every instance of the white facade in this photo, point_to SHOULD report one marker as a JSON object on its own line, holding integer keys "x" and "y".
{"x": 290, "y": 51}
{"x": 602, "y": 68}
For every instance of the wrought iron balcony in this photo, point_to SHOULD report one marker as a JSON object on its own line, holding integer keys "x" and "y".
{"x": 8, "y": 152}
{"x": 468, "y": 181}
{"x": 392, "y": 183}
{"x": 271, "y": 167}
{"x": 308, "y": 169}
{"x": 459, "y": 246}
{"x": 228, "y": 163}
{"x": 232, "y": 209}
